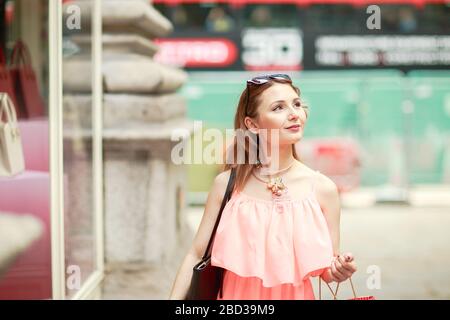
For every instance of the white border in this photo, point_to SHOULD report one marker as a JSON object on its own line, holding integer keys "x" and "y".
{"x": 56, "y": 147}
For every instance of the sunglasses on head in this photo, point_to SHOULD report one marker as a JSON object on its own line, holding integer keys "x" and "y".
{"x": 267, "y": 78}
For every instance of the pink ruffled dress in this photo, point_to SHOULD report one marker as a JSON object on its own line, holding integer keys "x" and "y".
{"x": 270, "y": 249}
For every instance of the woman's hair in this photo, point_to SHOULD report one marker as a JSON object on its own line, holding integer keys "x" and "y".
{"x": 243, "y": 170}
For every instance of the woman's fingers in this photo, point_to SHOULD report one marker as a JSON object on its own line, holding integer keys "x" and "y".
{"x": 337, "y": 275}
{"x": 350, "y": 261}
{"x": 343, "y": 267}
{"x": 352, "y": 267}
{"x": 348, "y": 257}
{"x": 346, "y": 264}
{"x": 340, "y": 267}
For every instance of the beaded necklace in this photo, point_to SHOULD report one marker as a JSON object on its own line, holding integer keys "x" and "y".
{"x": 276, "y": 184}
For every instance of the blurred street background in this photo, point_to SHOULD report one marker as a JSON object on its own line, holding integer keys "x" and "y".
{"x": 112, "y": 81}
{"x": 379, "y": 118}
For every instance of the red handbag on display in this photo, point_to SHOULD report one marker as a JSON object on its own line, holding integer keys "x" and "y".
{"x": 6, "y": 82}
{"x": 24, "y": 79}
{"x": 334, "y": 294}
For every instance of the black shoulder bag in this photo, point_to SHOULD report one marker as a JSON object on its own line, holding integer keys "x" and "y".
{"x": 206, "y": 282}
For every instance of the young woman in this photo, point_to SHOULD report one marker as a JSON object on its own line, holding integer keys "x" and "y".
{"x": 281, "y": 225}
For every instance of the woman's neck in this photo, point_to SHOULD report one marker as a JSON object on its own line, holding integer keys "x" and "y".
{"x": 282, "y": 160}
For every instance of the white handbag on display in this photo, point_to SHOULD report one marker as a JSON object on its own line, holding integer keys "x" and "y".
{"x": 11, "y": 150}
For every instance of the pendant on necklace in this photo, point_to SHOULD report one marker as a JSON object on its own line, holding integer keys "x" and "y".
{"x": 276, "y": 186}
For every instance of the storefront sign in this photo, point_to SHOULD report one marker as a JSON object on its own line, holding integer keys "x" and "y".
{"x": 272, "y": 49}
{"x": 197, "y": 52}
{"x": 386, "y": 50}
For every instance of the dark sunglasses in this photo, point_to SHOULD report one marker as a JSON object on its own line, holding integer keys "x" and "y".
{"x": 264, "y": 79}
{"x": 267, "y": 78}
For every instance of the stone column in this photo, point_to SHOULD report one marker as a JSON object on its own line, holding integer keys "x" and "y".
{"x": 141, "y": 109}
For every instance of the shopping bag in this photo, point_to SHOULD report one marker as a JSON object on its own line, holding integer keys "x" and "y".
{"x": 25, "y": 82}
{"x": 335, "y": 293}
{"x": 6, "y": 82}
{"x": 11, "y": 150}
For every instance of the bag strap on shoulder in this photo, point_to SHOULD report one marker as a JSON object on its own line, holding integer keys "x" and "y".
{"x": 226, "y": 197}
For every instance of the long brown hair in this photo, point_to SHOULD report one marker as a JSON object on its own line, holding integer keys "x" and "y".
{"x": 244, "y": 170}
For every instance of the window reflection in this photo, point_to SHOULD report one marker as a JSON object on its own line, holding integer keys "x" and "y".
{"x": 25, "y": 255}
{"x": 265, "y": 16}
{"x": 79, "y": 229}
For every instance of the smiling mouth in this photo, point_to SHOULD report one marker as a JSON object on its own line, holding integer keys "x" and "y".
{"x": 294, "y": 126}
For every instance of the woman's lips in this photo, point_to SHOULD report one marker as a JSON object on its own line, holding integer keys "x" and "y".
{"x": 294, "y": 128}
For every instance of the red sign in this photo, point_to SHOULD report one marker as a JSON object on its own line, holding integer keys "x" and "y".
{"x": 196, "y": 52}
{"x": 418, "y": 3}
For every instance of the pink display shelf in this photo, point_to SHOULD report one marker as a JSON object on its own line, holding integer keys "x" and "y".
{"x": 35, "y": 142}
{"x": 29, "y": 277}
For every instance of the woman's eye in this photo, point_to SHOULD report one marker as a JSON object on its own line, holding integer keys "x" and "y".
{"x": 298, "y": 104}
{"x": 278, "y": 107}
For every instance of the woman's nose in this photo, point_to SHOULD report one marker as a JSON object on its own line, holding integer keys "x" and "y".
{"x": 293, "y": 116}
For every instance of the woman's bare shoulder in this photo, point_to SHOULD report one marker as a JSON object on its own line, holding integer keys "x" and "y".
{"x": 322, "y": 184}
{"x": 325, "y": 185}
{"x": 220, "y": 184}
{"x": 327, "y": 193}
{"x": 222, "y": 178}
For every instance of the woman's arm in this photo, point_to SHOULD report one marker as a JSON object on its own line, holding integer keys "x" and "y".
{"x": 328, "y": 196}
{"x": 201, "y": 239}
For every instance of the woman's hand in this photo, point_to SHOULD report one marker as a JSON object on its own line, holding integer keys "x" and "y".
{"x": 342, "y": 267}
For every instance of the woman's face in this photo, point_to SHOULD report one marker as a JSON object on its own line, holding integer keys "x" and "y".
{"x": 279, "y": 109}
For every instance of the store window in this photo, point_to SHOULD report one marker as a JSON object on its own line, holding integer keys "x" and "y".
{"x": 25, "y": 229}
{"x": 401, "y": 19}
{"x": 434, "y": 18}
{"x": 77, "y": 150}
{"x": 210, "y": 17}
{"x": 81, "y": 154}
{"x": 266, "y": 16}
{"x": 50, "y": 216}
{"x": 336, "y": 18}
{"x": 410, "y": 19}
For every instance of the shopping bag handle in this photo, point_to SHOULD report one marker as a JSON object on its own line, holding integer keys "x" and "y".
{"x": 6, "y": 103}
{"x": 20, "y": 53}
{"x": 334, "y": 293}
